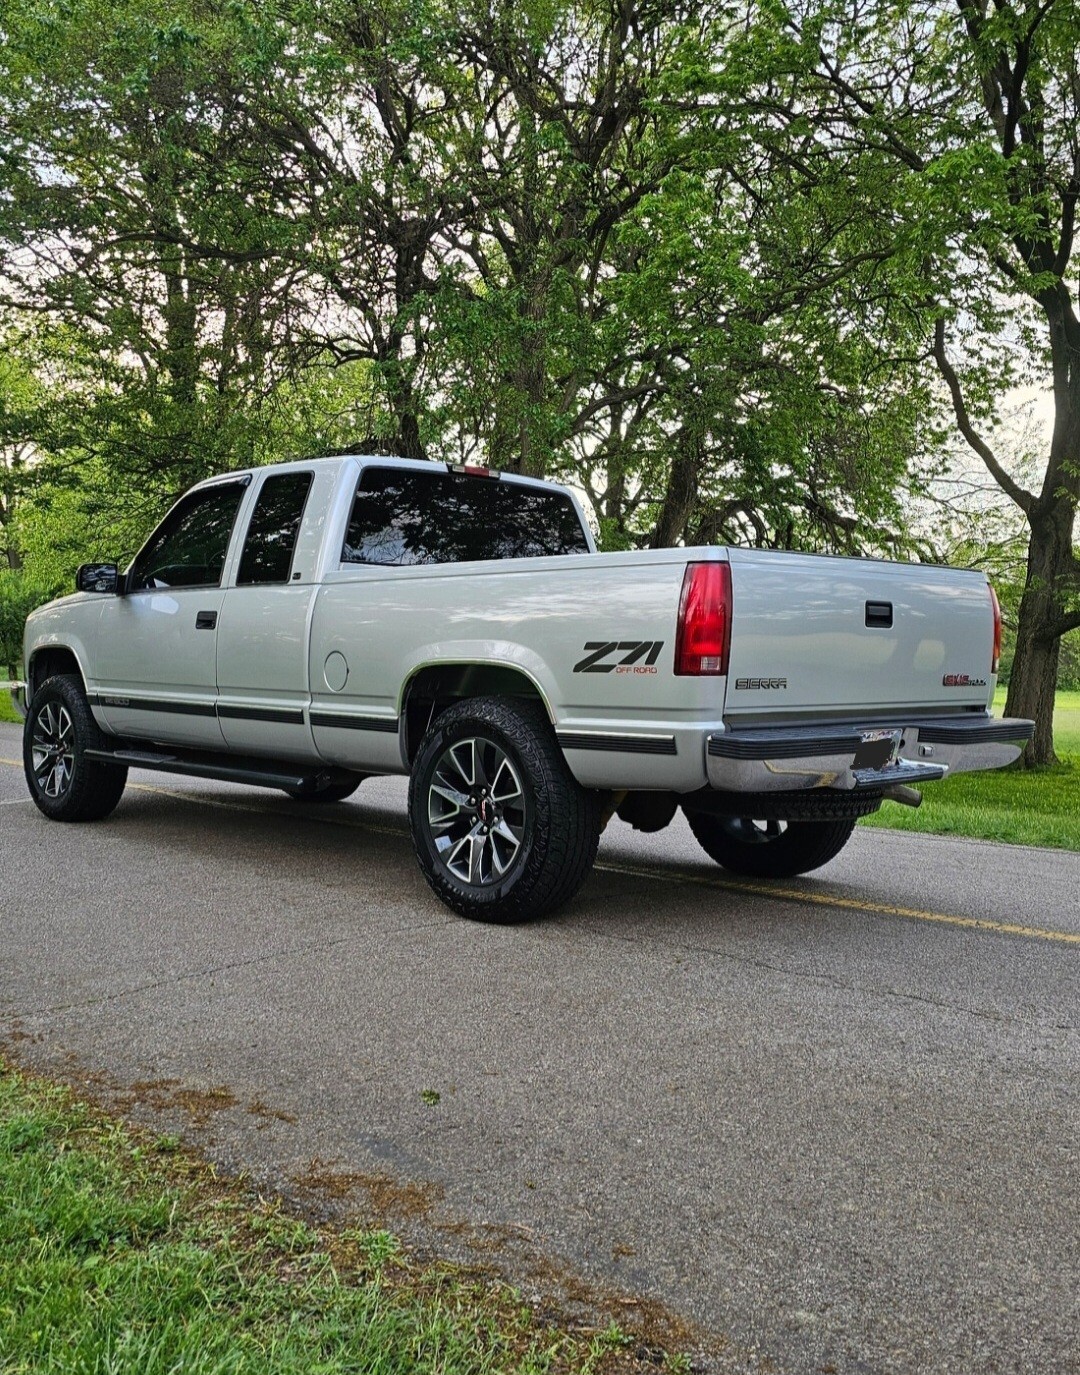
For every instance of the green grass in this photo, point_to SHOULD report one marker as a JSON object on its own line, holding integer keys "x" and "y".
{"x": 120, "y": 1253}
{"x": 1037, "y": 807}
{"x": 7, "y": 708}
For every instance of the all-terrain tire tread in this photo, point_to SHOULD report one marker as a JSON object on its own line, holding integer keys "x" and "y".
{"x": 96, "y": 788}
{"x": 566, "y": 827}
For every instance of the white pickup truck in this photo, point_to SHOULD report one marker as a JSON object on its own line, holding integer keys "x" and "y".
{"x": 307, "y": 625}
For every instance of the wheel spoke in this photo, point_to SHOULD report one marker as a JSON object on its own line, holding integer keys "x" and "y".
{"x": 504, "y": 837}
{"x": 462, "y": 759}
{"x": 42, "y": 758}
{"x": 51, "y": 749}
{"x": 464, "y": 870}
{"x": 57, "y": 780}
{"x": 476, "y": 811}
{"x": 511, "y": 785}
{"x": 477, "y": 845}
{"x": 457, "y": 799}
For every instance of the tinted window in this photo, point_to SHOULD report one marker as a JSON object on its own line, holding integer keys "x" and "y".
{"x": 403, "y": 517}
{"x": 271, "y": 536}
{"x": 188, "y": 547}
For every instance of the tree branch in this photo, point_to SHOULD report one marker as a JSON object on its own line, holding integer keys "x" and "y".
{"x": 1065, "y": 624}
{"x": 1024, "y": 499}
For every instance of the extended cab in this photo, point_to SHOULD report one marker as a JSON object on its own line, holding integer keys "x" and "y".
{"x": 307, "y": 625}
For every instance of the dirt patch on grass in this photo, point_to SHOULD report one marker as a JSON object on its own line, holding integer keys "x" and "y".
{"x": 165, "y": 1095}
{"x": 257, "y": 1108}
{"x": 387, "y": 1199}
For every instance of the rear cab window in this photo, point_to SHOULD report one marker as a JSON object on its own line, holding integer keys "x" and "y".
{"x": 403, "y": 518}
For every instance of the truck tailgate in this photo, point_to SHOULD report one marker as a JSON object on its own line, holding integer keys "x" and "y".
{"x": 816, "y": 636}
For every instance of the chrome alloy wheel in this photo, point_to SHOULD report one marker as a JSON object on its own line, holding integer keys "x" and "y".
{"x": 53, "y": 749}
{"x": 476, "y": 811}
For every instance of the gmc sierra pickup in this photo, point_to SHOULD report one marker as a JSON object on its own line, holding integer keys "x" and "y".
{"x": 307, "y": 625}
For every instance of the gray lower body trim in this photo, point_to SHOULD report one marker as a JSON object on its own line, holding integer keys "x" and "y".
{"x": 340, "y": 721}
{"x": 280, "y": 716}
{"x": 615, "y": 742}
{"x": 168, "y": 706}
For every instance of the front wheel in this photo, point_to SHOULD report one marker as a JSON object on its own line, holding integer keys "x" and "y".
{"x": 502, "y": 829}
{"x": 769, "y": 849}
{"x": 59, "y": 728}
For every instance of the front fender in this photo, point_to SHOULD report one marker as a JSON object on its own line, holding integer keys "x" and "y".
{"x": 68, "y": 625}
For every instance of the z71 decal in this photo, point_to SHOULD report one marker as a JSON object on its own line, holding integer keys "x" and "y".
{"x": 631, "y": 652}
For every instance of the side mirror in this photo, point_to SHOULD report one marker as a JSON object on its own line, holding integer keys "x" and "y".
{"x": 98, "y": 577}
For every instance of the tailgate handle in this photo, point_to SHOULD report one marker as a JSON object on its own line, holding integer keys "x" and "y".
{"x": 879, "y": 614}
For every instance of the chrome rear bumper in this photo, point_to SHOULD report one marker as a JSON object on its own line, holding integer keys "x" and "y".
{"x": 848, "y": 757}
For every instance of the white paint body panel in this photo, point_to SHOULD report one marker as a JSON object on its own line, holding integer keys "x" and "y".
{"x": 535, "y": 615}
{"x": 802, "y": 618}
{"x": 148, "y": 646}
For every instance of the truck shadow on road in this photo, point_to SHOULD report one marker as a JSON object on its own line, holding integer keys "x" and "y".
{"x": 364, "y": 847}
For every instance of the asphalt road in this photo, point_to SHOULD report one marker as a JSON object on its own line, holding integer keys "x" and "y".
{"x": 839, "y": 1126}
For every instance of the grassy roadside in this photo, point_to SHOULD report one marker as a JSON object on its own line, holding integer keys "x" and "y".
{"x": 1032, "y": 808}
{"x": 7, "y": 708}
{"x": 120, "y": 1252}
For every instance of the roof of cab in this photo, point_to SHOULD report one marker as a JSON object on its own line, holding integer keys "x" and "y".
{"x": 384, "y": 460}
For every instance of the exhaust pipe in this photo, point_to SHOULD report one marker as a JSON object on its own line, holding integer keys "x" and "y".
{"x": 900, "y": 792}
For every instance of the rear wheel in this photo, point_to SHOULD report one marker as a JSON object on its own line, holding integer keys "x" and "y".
{"x": 502, "y": 829}
{"x": 59, "y": 728}
{"x": 769, "y": 849}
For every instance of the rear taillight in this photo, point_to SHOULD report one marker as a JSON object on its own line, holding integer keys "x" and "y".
{"x": 997, "y": 630}
{"x": 704, "y": 630}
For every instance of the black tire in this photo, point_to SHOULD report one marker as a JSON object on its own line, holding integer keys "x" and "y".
{"x": 765, "y": 849}
{"x": 543, "y": 827}
{"x": 59, "y": 728}
{"x": 336, "y": 792}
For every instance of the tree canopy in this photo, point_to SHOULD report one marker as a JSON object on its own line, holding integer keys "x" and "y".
{"x": 739, "y": 273}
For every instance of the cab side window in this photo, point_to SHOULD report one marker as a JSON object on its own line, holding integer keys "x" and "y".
{"x": 189, "y": 546}
{"x": 272, "y": 531}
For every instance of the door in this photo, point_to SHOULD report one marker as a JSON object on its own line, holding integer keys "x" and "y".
{"x": 262, "y": 645}
{"x": 156, "y": 669}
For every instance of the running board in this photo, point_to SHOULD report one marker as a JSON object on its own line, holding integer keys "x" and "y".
{"x": 223, "y": 773}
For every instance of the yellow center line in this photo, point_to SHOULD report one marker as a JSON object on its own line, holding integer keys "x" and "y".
{"x": 885, "y": 909}
{"x": 763, "y": 890}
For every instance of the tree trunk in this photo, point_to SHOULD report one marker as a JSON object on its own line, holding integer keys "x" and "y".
{"x": 401, "y": 401}
{"x": 682, "y": 489}
{"x": 1038, "y": 636}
